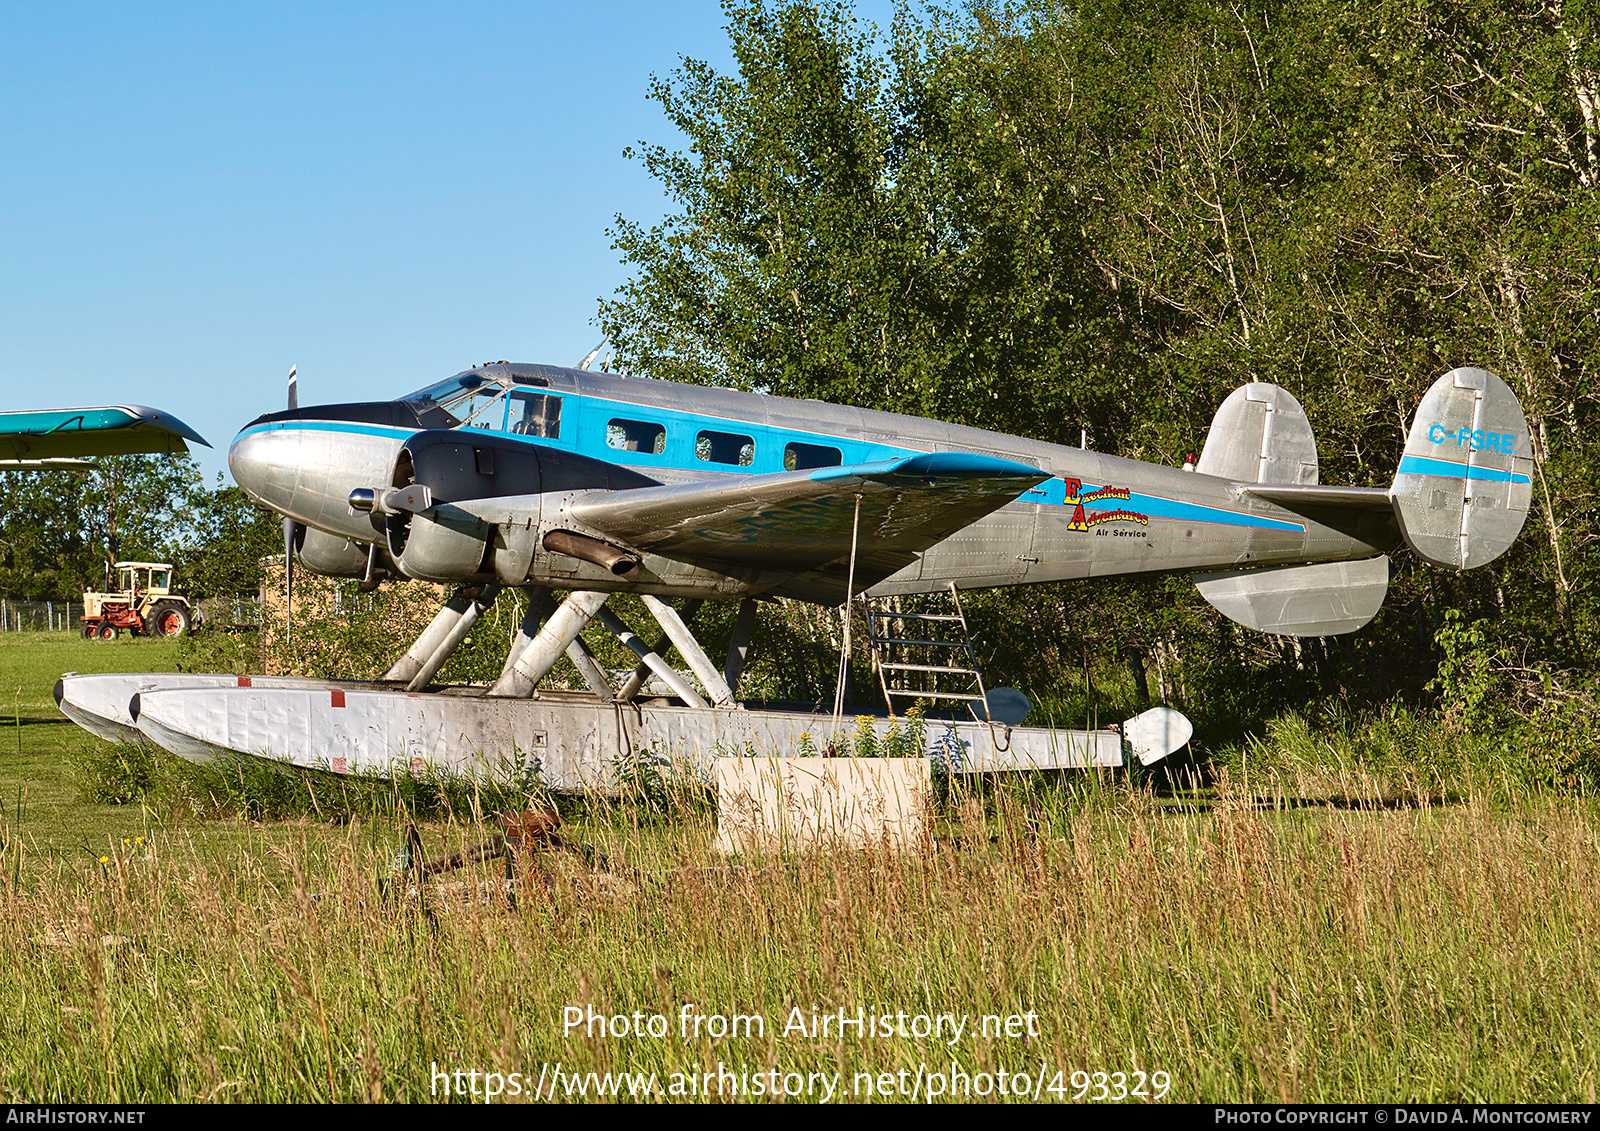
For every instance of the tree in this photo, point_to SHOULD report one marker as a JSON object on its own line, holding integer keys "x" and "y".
{"x": 45, "y": 551}
{"x": 232, "y": 535}
{"x": 63, "y": 530}
{"x": 851, "y": 229}
{"x": 141, "y": 506}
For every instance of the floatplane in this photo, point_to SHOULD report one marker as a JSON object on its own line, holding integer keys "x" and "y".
{"x": 589, "y": 484}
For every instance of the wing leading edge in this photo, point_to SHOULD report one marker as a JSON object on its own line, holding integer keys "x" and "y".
{"x": 105, "y": 430}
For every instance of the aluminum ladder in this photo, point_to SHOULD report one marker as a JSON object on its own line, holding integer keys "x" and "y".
{"x": 924, "y": 655}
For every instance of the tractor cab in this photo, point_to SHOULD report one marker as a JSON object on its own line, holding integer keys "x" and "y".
{"x": 144, "y": 577}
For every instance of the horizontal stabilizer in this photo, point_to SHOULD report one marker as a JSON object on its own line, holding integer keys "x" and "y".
{"x": 1307, "y": 600}
{"x": 1260, "y": 435}
{"x": 1466, "y": 478}
{"x": 1296, "y": 498}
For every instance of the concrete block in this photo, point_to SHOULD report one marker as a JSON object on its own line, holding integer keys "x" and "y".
{"x": 802, "y": 804}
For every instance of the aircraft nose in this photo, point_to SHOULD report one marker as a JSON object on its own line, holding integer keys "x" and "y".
{"x": 265, "y": 461}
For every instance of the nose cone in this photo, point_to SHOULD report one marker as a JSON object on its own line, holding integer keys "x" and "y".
{"x": 304, "y": 463}
{"x": 265, "y": 462}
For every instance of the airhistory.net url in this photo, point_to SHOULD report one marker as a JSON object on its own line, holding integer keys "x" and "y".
{"x": 951, "y": 1081}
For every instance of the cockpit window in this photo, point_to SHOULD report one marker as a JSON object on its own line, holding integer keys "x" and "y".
{"x": 535, "y": 414}
{"x": 448, "y": 403}
{"x": 485, "y": 408}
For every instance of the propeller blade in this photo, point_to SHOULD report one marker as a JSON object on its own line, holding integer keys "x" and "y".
{"x": 288, "y": 534}
{"x": 288, "y": 579}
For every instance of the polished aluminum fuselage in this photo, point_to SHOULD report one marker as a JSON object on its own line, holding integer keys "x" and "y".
{"x": 1097, "y": 515}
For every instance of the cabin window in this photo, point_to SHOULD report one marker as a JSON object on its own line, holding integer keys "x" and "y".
{"x": 637, "y": 436}
{"x": 725, "y": 447}
{"x": 799, "y": 457}
{"x": 535, "y": 414}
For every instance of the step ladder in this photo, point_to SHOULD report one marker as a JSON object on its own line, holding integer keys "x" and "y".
{"x": 925, "y": 654}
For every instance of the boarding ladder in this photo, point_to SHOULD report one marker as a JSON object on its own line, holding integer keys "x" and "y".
{"x": 925, "y": 654}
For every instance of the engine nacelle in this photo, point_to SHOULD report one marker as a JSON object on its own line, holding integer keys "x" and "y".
{"x": 444, "y": 543}
{"x": 329, "y": 554}
{"x": 444, "y": 548}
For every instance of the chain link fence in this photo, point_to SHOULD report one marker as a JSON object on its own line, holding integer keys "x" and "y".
{"x": 67, "y": 616}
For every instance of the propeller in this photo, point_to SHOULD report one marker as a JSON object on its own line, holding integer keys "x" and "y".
{"x": 288, "y": 536}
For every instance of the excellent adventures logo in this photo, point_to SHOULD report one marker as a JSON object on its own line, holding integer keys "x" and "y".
{"x": 1083, "y": 519}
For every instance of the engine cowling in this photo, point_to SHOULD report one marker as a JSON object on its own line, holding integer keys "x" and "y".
{"x": 329, "y": 554}
{"x": 443, "y": 543}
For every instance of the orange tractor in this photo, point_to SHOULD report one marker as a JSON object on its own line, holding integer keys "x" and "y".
{"x": 144, "y": 605}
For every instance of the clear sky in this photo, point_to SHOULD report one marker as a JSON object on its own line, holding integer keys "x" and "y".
{"x": 195, "y": 196}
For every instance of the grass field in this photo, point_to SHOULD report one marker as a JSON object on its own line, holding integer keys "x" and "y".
{"x": 1280, "y": 939}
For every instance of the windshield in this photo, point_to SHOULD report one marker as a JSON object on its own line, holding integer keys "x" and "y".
{"x": 448, "y": 403}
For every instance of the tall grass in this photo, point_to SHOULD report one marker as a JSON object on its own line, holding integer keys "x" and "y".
{"x": 1255, "y": 943}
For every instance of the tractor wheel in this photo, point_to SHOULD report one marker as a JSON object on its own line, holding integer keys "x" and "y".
{"x": 108, "y": 631}
{"x": 168, "y": 619}
{"x": 86, "y": 630}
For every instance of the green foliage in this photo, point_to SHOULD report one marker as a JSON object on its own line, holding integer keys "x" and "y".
{"x": 232, "y": 536}
{"x": 1056, "y": 219}
{"x": 853, "y": 227}
{"x": 115, "y": 773}
{"x": 61, "y": 530}
{"x": 1467, "y": 682}
{"x": 252, "y": 789}
{"x": 653, "y": 788}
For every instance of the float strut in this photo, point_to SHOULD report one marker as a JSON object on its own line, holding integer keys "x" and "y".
{"x": 739, "y": 646}
{"x": 540, "y": 605}
{"x": 589, "y": 668}
{"x": 641, "y": 674}
{"x": 689, "y": 648}
{"x": 523, "y": 672}
{"x": 427, "y": 644}
{"x": 452, "y": 640}
{"x": 630, "y": 639}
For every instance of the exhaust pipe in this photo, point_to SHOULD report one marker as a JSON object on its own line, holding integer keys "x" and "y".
{"x": 622, "y": 563}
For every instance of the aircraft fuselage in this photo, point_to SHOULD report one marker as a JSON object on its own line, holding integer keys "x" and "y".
{"x": 1096, "y": 515}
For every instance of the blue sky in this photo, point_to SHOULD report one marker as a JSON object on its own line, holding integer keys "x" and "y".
{"x": 193, "y": 197}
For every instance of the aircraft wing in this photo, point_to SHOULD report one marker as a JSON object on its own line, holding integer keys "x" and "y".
{"x": 35, "y": 436}
{"x": 800, "y": 522}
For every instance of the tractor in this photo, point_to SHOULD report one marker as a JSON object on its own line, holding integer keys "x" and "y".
{"x": 144, "y": 605}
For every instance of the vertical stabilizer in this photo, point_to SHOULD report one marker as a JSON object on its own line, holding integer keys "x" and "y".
{"x": 1260, "y": 435}
{"x": 1465, "y": 481}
